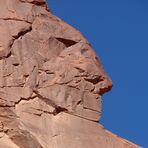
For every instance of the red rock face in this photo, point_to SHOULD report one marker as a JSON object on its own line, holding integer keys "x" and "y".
{"x": 51, "y": 82}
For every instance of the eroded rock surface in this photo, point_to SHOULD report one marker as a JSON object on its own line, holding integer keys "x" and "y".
{"x": 51, "y": 82}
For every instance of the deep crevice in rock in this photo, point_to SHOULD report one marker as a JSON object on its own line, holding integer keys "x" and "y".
{"x": 7, "y": 52}
{"x": 22, "y": 33}
{"x": 35, "y": 2}
{"x": 80, "y": 69}
{"x": 67, "y": 42}
{"x": 95, "y": 80}
{"x": 58, "y": 110}
{"x": 4, "y": 54}
{"x": 15, "y": 19}
{"x": 38, "y": 3}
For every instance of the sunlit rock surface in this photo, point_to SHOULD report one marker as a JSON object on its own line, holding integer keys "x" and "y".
{"x": 51, "y": 82}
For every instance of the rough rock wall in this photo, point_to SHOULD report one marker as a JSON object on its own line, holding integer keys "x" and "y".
{"x": 51, "y": 82}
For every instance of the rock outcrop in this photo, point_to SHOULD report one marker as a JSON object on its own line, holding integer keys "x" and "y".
{"x": 51, "y": 82}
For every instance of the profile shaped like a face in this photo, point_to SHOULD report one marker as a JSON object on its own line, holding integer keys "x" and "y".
{"x": 78, "y": 79}
{"x": 51, "y": 61}
{"x": 48, "y": 74}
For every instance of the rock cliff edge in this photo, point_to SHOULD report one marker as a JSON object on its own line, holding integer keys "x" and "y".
{"x": 51, "y": 82}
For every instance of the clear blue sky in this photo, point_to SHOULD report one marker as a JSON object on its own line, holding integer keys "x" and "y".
{"x": 118, "y": 32}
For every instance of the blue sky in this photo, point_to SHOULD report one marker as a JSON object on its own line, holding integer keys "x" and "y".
{"x": 118, "y": 32}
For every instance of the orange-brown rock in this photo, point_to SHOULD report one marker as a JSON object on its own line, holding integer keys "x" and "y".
{"x": 51, "y": 82}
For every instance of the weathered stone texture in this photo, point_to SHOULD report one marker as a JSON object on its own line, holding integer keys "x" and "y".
{"x": 51, "y": 82}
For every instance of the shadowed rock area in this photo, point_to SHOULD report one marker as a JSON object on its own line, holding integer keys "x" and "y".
{"x": 51, "y": 82}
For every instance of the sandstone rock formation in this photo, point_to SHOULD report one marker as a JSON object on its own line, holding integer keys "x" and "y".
{"x": 51, "y": 82}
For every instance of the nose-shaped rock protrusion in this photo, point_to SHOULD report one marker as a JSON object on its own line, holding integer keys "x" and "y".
{"x": 103, "y": 86}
